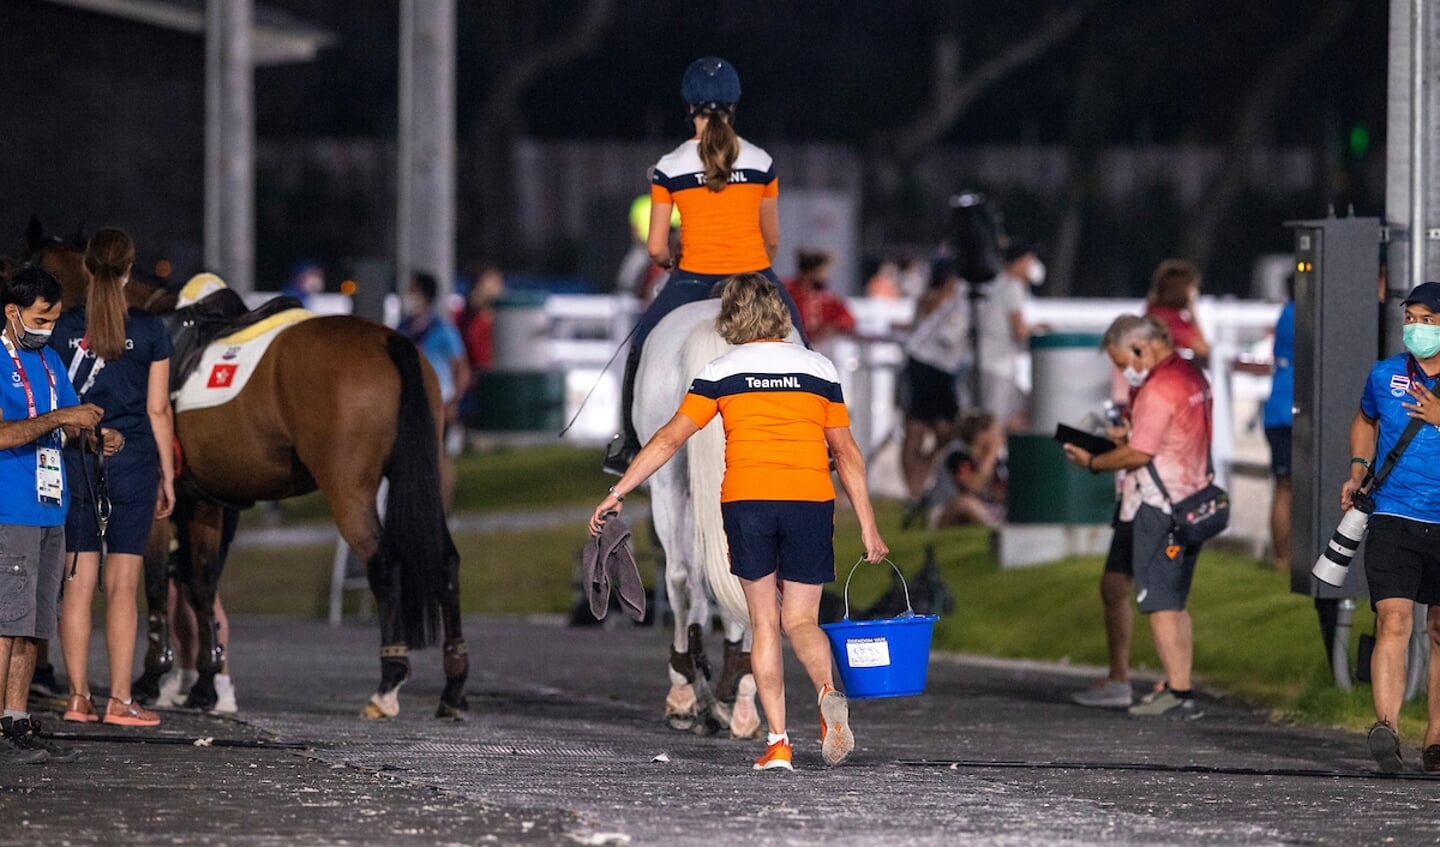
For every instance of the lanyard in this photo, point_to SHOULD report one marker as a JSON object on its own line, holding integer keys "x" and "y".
{"x": 1412, "y": 369}
{"x": 25, "y": 378}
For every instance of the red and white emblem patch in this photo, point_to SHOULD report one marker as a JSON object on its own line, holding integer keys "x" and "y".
{"x": 221, "y": 376}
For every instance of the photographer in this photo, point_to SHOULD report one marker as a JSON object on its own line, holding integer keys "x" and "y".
{"x": 1169, "y": 438}
{"x": 1402, "y": 560}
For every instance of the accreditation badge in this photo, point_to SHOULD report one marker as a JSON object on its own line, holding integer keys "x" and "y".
{"x": 49, "y": 481}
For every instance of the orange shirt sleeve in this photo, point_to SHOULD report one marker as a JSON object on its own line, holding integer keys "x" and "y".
{"x": 660, "y": 194}
{"x": 836, "y": 415}
{"x": 699, "y": 409}
{"x": 772, "y": 188}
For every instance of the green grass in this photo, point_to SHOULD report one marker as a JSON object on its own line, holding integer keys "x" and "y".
{"x": 1253, "y": 638}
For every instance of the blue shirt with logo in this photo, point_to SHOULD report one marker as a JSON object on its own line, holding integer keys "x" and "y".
{"x": 20, "y": 503}
{"x": 1279, "y": 408}
{"x": 440, "y": 342}
{"x": 1412, "y": 490}
{"x": 120, "y": 387}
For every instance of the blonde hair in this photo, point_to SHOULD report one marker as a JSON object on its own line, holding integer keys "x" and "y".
{"x": 108, "y": 257}
{"x": 751, "y": 309}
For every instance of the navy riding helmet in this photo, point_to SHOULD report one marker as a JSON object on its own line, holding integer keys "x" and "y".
{"x": 710, "y": 82}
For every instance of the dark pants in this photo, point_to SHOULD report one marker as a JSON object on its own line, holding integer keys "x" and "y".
{"x": 683, "y": 287}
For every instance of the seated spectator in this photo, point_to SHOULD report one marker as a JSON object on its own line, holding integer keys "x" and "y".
{"x": 970, "y": 491}
{"x": 823, "y": 313}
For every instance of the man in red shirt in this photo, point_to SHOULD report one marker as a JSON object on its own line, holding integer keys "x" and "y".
{"x": 1168, "y": 439}
{"x": 823, "y": 313}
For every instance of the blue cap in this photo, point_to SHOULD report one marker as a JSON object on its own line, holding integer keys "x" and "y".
{"x": 710, "y": 80}
{"x": 1426, "y": 294}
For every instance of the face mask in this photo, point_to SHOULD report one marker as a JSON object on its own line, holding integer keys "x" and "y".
{"x": 1036, "y": 274}
{"x": 1134, "y": 377}
{"x": 31, "y": 339}
{"x": 1423, "y": 340}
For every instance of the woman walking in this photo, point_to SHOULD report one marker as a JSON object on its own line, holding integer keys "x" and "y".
{"x": 119, "y": 359}
{"x": 781, "y": 407}
{"x": 727, "y": 193}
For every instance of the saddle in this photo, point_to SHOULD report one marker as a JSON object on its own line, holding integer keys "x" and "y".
{"x": 214, "y": 316}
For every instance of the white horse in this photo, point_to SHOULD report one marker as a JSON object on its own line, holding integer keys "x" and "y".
{"x": 685, "y": 503}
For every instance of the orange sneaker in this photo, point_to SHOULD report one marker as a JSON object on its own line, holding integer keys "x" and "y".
{"x": 836, "y": 740}
{"x": 80, "y": 710}
{"x": 777, "y": 755}
{"x": 129, "y": 714}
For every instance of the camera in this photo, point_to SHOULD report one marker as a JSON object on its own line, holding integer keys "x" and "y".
{"x": 1334, "y": 562}
{"x": 1114, "y": 414}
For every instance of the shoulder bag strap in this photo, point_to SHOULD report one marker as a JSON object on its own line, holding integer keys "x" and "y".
{"x": 1209, "y": 456}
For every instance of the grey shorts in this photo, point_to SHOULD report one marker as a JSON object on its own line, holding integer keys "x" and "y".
{"x": 1163, "y": 570}
{"x": 32, "y": 566}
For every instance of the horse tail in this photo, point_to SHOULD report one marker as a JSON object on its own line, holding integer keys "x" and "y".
{"x": 706, "y": 462}
{"x": 414, "y": 537}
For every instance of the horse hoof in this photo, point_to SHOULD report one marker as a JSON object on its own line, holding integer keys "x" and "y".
{"x": 745, "y": 726}
{"x": 707, "y": 726}
{"x": 445, "y": 711}
{"x": 679, "y": 722}
{"x": 381, "y": 706}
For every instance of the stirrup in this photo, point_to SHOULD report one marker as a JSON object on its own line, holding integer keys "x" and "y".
{"x": 617, "y": 458}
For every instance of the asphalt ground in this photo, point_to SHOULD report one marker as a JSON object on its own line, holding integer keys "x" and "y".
{"x": 566, "y": 746}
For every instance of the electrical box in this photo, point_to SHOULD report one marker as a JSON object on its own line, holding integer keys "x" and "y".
{"x": 1337, "y": 324}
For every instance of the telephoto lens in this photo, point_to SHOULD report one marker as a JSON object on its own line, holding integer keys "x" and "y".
{"x": 1334, "y": 562}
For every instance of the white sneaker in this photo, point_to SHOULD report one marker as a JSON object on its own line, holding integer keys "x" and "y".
{"x": 1108, "y": 695}
{"x": 224, "y": 695}
{"x": 175, "y": 687}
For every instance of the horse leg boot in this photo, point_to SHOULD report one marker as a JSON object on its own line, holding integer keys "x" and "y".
{"x": 707, "y": 721}
{"x": 736, "y": 692}
{"x": 456, "y": 661}
{"x": 206, "y": 531}
{"x": 680, "y": 701}
{"x": 394, "y": 671}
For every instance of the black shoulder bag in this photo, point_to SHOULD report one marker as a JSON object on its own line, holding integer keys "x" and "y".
{"x": 1204, "y": 514}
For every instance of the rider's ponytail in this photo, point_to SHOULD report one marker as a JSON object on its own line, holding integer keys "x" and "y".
{"x": 108, "y": 258}
{"x": 719, "y": 147}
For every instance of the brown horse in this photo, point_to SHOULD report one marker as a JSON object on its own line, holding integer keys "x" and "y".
{"x": 335, "y": 404}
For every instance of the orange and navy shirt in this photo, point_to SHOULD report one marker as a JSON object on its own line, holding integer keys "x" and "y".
{"x": 719, "y": 230}
{"x": 775, "y": 400}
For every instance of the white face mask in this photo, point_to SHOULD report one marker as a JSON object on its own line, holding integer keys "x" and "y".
{"x": 1036, "y": 274}
{"x": 1134, "y": 377}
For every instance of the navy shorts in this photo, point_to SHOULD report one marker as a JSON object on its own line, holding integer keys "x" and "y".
{"x": 1402, "y": 560}
{"x": 1279, "y": 438}
{"x": 794, "y": 538}
{"x": 1163, "y": 570}
{"x": 133, "y": 479}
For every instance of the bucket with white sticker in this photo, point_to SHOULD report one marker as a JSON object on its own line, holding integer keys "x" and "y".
{"x": 882, "y": 658}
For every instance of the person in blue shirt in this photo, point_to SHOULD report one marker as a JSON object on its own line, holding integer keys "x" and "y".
{"x": 1279, "y": 416}
{"x": 118, "y": 358}
{"x": 439, "y": 341}
{"x": 36, "y": 406}
{"x": 1402, "y": 553}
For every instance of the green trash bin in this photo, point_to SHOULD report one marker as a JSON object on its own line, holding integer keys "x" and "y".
{"x": 518, "y": 401}
{"x": 1045, "y": 488}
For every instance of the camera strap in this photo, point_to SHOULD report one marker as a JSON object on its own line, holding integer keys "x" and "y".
{"x": 1393, "y": 456}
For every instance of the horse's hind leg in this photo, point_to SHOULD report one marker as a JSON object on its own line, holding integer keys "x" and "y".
{"x": 735, "y": 691}
{"x": 159, "y": 657}
{"x": 456, "y": 660}
{"x": 204, "y": 538}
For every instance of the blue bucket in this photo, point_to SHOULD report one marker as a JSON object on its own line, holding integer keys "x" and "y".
{"x": 884, "y": 658}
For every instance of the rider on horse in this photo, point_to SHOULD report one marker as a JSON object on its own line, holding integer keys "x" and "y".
{"x": 726, "y": 191}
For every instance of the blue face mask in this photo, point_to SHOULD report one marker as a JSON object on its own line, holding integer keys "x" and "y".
{"x": 1422, "y": 340}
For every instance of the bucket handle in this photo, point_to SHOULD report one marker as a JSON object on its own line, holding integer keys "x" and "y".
{"x": 909, "y": 610}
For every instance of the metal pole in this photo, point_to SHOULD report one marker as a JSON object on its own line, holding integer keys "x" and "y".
{"x": 1417, "y": 217}
{"x": 425, "y": 184}
{"x": 230, "y": 143}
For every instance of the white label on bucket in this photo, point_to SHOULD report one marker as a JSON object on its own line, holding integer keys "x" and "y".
{"x": 867, "y": 652}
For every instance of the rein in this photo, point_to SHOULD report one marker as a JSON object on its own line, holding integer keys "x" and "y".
{"x": 98, "y": 486}
{"x": 623, "y": 342}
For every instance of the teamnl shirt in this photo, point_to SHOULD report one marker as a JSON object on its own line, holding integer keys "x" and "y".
{"x": 719, "y": 230}
{"x": 121, "y": 386}
{"x": 19, "y": 502}
{"x": 1170, "y": 420}
{"x": 1412, "y": 490}
{"x": 775, "y": 400}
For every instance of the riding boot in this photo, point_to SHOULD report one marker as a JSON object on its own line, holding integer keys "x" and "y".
{"x": 624, "y": 447}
